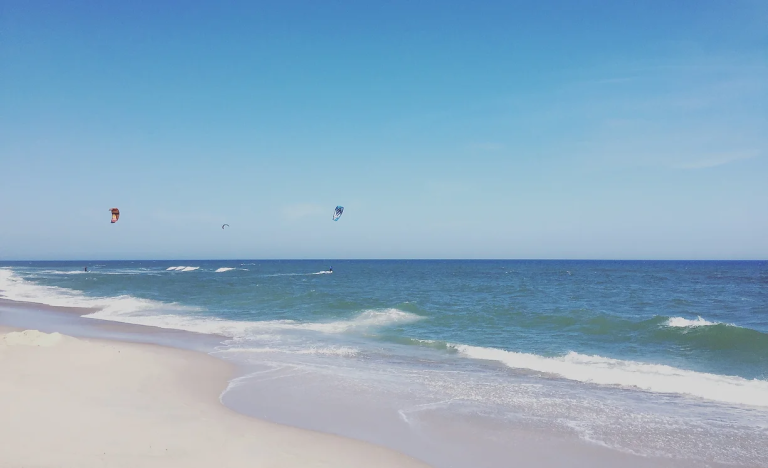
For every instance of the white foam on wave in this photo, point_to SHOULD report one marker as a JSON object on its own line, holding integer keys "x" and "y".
{"x": 680, "y": 322}
{"x": 365, "y": 320}
{"x": 189, "y": 268}
{"x": 223, "y": 269}
{"x": 655, "y": 378}
{"x": 243, "y": 331}
{"x": 129, "y": 309}
{"x": 324, "y": 272}
{"x": 90, "y": 272}
{"x": 15, "y": 288}
{"x": 181, "y": 268}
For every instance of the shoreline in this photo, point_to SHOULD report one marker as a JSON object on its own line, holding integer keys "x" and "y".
{"x": 24, "y": 314}
{"x": 78, "y": 311}
{"x": 527, "y": 448}
{"x": 90, "y": 402}
{"x": 82, "y": 312}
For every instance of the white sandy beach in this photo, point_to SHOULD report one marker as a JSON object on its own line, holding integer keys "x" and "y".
{"x": 69, "y": 402}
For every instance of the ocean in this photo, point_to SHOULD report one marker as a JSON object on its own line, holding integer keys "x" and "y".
{"x": 664, "y": 359}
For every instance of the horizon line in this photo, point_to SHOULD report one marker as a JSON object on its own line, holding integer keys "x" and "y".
{"x": 397, "y": 260}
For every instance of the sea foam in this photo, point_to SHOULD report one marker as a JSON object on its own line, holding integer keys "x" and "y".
{"x": 15, "y": 288}
{"x": 655, "y": 378}
{"x": 129, "y": 309}
{"x": 680, "y": 322}
{"x": 241, "y": 329}
{"x": 182, "y": 268}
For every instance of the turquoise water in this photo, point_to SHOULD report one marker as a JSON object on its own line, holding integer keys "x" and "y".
{"x": 672, "y": 335}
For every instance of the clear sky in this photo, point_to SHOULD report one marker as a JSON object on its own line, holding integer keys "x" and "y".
{"x": 496, "y": 129}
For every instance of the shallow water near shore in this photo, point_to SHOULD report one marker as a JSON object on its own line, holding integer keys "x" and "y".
{"x": 454, "y": 360}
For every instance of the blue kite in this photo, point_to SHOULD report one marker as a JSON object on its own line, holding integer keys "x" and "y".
{"x": 338, "y": 212}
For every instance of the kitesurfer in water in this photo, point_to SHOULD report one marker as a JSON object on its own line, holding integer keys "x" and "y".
{"x": 330, "y": 270}
{"x": 85, "y": 269}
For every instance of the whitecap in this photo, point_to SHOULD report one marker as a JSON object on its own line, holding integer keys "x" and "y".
{"x": 680, "y": 322}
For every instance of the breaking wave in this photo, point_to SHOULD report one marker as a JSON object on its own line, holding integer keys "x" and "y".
{"x": 655, "y": 378}
{"x": 680, "y": 322}
{"x": 182, "y": 268}
{"x": 15, "y": 288}
{"x": 129, "y": 309}
{"x": 366, "y": 320}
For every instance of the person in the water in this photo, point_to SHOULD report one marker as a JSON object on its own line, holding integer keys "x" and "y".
{"x": 85, "y": 269}
{"x": 330, "y": 270}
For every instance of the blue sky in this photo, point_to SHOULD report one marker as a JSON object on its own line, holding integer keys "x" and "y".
{"x": 595, "y": 129}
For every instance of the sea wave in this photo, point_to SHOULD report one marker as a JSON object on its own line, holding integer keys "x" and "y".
{"x": 681, "y": 322}
{"x": 135, "y": 271}
{"x": 182, "y": 268}
{"x": 223, "y": 269}
{"x": 16, "y": 288}
{"x": 245, "y": 330}
{"x": 655, "y": 378}
{"x": 129, "y": 309}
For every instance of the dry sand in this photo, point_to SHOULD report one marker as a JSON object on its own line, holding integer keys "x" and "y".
{"x": 67, "y": 402}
